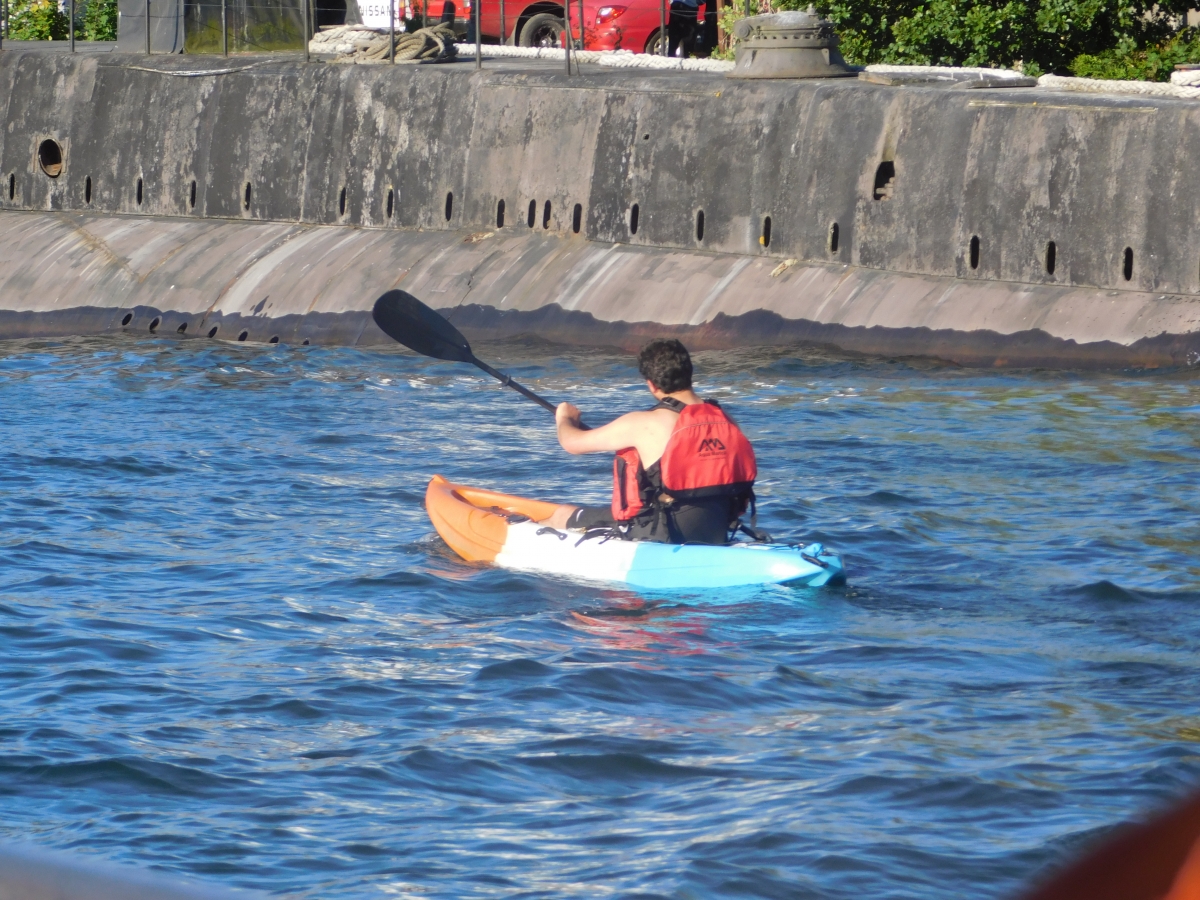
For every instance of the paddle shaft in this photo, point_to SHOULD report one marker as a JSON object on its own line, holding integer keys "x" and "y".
{"x": 519, "y": 388}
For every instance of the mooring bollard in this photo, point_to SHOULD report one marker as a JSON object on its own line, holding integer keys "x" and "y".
{"x": 789, "y": 44}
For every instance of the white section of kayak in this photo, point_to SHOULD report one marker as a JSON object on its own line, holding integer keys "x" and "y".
{"x": 530, "y": 547}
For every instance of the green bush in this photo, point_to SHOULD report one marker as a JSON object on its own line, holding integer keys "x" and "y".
{"x": 36, "y": 20}
{"x": 1034, "y": 36}
{"x": 100, "y": 20}
{"x": 1151, "y": 64}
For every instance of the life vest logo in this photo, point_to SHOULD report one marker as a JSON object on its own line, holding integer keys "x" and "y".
{"x": 711, "y": 446}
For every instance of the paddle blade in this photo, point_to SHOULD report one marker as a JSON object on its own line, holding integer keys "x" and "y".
{"x": 408, "y": 321}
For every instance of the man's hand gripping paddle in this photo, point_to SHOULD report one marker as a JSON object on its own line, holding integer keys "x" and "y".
{"x": 408, "y": 321}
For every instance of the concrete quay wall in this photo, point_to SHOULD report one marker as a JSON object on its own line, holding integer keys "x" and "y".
{"x": 279, "y": 199}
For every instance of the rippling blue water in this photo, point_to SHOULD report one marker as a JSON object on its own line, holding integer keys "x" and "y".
{"x": 233, "y": 647}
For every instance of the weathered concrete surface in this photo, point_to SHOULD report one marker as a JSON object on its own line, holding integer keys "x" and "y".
{"x": 65, "y": 273}
{"x": 284, "y": 147}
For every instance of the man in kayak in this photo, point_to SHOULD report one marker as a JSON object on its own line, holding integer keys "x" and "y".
{"x": 683, "y": 471}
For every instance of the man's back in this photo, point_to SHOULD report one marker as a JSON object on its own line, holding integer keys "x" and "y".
{"x": 707, "y": 488}
{"x": 650, "y": 430}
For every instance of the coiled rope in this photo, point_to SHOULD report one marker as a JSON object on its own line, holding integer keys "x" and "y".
{"x": 362, "y": 44}
{"x": 1184, "y": 91}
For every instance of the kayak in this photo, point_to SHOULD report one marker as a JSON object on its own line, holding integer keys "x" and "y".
{"x": 486, "y": 526}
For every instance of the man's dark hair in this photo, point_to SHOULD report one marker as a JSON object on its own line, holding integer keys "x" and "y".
{"x": 665, "y": 363}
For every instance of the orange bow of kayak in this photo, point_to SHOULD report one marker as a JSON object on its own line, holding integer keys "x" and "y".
{"x": 465, "y": 519}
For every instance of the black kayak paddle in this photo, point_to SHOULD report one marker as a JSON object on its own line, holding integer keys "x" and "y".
{"x": 408, "y": 321}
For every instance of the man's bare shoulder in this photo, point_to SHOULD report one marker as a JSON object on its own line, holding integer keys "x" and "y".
{"x": 647, "y": 418}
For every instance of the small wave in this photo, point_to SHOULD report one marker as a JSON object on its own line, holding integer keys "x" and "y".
{"x": 366, "y": 851}
{"x": 296, "y": 709}
{"x": 339, "y": 440}
{"x": 120, "y": 774}
{"x": 347, "y": 753}
{"x": 29, "y": 551}
{"x": 398, "y": 579}
{"x": 1105, "y": 591}
{"x": 514, "y": 669}
{"x": 626, "y": 768}
{"x": 108, "y": 465}
{"x": 634, "y": 688}
{"x": 51, "y": 581}
{"x": 889, "y": 499}
{"x": 453, "y": 773}
{"x": 289, "y": 709}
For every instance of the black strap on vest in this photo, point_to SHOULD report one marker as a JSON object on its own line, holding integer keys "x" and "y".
{"x": 678, "y": 405}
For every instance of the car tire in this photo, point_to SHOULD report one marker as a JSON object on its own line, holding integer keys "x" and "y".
{"x": 652, "y": 45}
{"x": 543, "y": 30}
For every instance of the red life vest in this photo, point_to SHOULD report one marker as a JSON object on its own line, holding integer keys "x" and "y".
{"x": 706, "y": 456}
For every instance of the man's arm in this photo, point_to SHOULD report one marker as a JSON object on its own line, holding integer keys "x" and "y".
{"x": 576, "y": 438}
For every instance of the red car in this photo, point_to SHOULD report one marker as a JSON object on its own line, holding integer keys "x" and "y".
{"x": 608, "y": 24}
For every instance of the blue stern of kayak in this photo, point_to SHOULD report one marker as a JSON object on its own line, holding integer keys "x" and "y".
{"x": 673, "y": 566}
